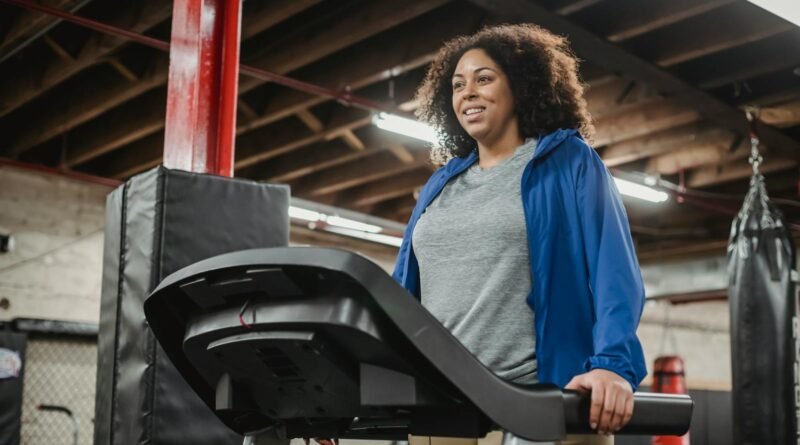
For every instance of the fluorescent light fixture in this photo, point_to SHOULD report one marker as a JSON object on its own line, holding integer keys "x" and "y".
{"x": 374, "y": 237}
{"x": 787, "y": 9}
{"x": 406, "y": 127}
{"x": 347, "y": 223}
{"x": 640, "y": 191}
{"x": 305, "y": 214}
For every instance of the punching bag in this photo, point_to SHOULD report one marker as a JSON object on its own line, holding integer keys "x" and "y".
{"x": 669, "y": 377}
{"x": 764, "y": 324}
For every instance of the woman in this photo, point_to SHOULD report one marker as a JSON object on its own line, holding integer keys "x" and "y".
{"x": 520, "y": 244}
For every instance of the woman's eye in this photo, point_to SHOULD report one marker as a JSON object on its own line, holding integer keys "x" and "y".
{"x": 458, "y": 85}
{"x": 483, "y": 79}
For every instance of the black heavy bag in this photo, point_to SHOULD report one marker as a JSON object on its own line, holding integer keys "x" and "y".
{"x": 763, "y": 308}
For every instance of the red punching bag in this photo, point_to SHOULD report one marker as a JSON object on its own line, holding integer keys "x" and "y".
{"x": 669, "y": 377}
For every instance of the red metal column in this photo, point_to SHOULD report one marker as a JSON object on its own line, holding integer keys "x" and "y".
{"x": 203, "y": 85}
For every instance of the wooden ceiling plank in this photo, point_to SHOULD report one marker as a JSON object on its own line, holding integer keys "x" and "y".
{"x": 397, "y": 208}
{"x": 303, "y": 162}
{"x": 656, "y": 143}
{"x": 311, "y": 121}
{"x": 31, "y": 23}
{"x": 127, "y": 161}
{"x": 75, "y": 107}
{"x": 654, "y": 15}
{"x": 718, "y": 174}
{"x": 271, "y": 13}
{"x": 371, "y": 62}
{"x": 640, "y": 121}
{"x": 251, "y": 149}
{"x": 116, "y": 128}
{"x": 385, "y": 189}
{"x": 362, "y": 171}
{"x": 371, "y": 19}
{"x": 401, "y": 152}
{"x": 782, "y": 115}
{"x": 58, "y": 49}
{"x": 123, "y": 70}
{"x": 615, "y": 59}
{"x": 697, "y": 155}
{"x": 83, "y": 107}
{"x": 31, "y": 81}
{"x": 352, "y": 140}
{"x": 575, "y": 6}
{"x": 752, "y": 62}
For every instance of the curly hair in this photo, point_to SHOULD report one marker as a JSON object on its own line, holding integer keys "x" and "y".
{"x": 542, "y": 73}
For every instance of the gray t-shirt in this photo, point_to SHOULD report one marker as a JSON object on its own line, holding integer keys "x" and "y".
{"x": 472, "y": 249}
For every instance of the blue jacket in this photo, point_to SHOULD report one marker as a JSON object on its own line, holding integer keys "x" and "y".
{"x": 587, "y": 290}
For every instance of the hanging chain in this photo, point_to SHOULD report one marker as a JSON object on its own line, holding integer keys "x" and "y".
{"x": 755, "y": 157}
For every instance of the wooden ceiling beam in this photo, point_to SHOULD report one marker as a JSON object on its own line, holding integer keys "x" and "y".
{"x": 642, "y": 120}
{"x": 730, "y": 27}
{"x": 30, "y": 24}
{"x": 575, "y": 6}
{"x": 117, "y": 128}
{"x": 763, "y": 57}
{"x": 62, "y": 53}
{"x": 786, "y": 114}
{"x": 312, "y": 122}
{"x": 378, "y": 165}
{"x": 77, "y": 107}
{"x": 318, "y": 157}
{"x": 659, "y": 142}
{"x": 397, "y": 209}
{"x": 252, "y": 149}
{"x": 617, "y": 95}
{"x": 127, "y": 161}
{"x": 413, "y": 45}
{"x": 123, "y": 70}
{"x": 74, "y": 106}
{"x": 31, "y": 80}
{"x": 718, "y": 174}
{"x": 697, "y": 155}
{"x": 364, "y": 22}
{"x": 616, "y": 60}
{"x": 391, "y": 187}
{"x": 304, "y": 161}
{"x": 271, "y": 13}
{"x": 352, "y": 140}
{"x": 627, "y": 23}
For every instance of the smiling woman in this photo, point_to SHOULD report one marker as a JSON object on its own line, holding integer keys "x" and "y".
{"x": 536, "y": 66}
{"x": 520, "y": 245}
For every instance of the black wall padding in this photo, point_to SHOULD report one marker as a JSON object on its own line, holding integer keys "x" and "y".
{"x": 12, "y": 347}
{"x": 156, "y": 223}
{"x": 763, "y": 304}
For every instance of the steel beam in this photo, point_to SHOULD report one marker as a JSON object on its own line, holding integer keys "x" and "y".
{"x": 203, "y": 83}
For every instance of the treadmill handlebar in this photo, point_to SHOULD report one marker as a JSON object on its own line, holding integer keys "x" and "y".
{"x": 669, "y": 413}
{"x": 306, "y": 301}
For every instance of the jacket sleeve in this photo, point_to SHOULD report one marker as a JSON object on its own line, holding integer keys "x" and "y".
{"x": 614, "y": 276}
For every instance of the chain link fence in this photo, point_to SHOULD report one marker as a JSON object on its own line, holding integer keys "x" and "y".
{"x": 59, "y": 391}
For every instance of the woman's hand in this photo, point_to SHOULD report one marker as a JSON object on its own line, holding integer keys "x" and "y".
{"x": 612, "y": 399}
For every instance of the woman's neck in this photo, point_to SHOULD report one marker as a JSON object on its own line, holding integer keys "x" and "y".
{"x": 495, "y": 152}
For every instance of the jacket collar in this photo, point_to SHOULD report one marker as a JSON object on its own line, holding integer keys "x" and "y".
{"x": 545, "y": 145}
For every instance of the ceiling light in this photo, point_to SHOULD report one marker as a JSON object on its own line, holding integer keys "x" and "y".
{"x": 406, "y": 127}
{"x": 305, "y": 214}
{"x": 347, "y": 223}
{"x": 786, "y": 9}
{"x": 374, "y": 237}
{"x": 640, "y": 191}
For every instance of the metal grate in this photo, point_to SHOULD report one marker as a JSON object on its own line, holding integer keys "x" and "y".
{"x": 59, "y": 373}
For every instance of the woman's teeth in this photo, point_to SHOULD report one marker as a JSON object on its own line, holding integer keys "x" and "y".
{"x": 472, "y": 111}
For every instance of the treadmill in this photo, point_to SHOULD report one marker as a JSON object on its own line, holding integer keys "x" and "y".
{"x": 301, "y": 342}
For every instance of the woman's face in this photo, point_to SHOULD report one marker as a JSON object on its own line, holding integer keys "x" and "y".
{"x": 482, "y": 98}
